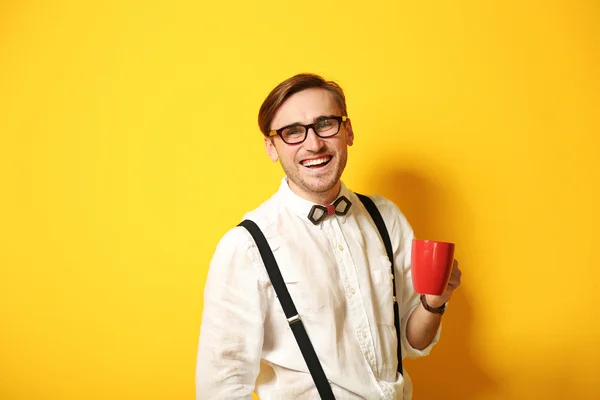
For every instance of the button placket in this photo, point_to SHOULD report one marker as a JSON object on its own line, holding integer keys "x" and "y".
{"x": 355, "y": 303}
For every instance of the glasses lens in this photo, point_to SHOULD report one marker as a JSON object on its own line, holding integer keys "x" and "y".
{"x": 327, "y": 127}
{"x": 293, "y": 134}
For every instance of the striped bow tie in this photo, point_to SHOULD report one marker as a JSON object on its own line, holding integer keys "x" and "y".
{"x": 339, "y": 207}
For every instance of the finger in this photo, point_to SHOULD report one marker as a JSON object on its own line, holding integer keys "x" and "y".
{"x": 455, "y": 265}
{"x": 453, "y": 283}
{"x": 454, "y": 279}
{"x": 455, "y": 274}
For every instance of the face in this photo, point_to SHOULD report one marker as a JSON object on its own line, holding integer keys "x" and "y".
{"x": 314, "y": 167}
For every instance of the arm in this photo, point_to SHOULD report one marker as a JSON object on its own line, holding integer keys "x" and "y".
{"x": 422, "y": 324}
{"x": 231, "y": 334}
{"x": 420, "y": 327}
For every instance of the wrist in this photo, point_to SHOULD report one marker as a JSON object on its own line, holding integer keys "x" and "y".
{"x": 435, "y": 301}
{"x": 434, "y": 306}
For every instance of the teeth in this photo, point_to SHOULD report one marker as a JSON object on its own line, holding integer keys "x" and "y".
{"x": 318, "y": 161}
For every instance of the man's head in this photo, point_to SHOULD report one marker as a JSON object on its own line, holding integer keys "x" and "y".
{"x": 312, "y": 157}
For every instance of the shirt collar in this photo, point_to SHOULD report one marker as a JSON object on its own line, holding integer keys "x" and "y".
{"x": 301, "y": 206}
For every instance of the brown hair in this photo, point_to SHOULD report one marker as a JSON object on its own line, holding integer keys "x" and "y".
{"x": 293, "y": 85}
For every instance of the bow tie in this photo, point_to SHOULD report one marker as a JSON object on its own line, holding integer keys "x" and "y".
{"x": 339, "y": 207}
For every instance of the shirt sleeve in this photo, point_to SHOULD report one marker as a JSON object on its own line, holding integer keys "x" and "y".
{"x": 402, "y": 235}
{"x": 231, "y": 333}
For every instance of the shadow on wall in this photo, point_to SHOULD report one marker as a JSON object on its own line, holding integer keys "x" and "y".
{"x": 451, "y": 370}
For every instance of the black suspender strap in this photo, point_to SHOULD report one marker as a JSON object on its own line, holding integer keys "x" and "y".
{"x": 289, "y": 309}
{"x": 378, "y": 219}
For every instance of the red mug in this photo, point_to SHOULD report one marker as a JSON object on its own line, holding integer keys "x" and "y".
{"x": 431, "y": 266}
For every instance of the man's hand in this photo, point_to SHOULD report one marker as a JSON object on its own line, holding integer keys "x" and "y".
{"x": 453, "y": 283}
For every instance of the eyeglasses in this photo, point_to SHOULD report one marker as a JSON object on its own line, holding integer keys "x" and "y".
{"x": 297, "y": 133}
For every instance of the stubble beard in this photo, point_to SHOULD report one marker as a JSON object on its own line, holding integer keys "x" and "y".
{"x": 320, "y": 184}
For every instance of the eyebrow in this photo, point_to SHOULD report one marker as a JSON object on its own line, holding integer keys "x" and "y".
{"x": 315, "y": 120}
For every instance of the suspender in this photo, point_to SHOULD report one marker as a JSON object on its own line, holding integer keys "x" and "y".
{"x": 378, "y": 219}
{"x": 289, "y": 309}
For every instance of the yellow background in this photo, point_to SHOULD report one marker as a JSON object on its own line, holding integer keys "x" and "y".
{"x": 129, "y": 146}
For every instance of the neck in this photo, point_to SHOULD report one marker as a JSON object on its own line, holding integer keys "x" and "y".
{"x": 323, "y": 198}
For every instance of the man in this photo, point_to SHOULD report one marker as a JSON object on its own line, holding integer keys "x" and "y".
{"x": 334, "y": 265}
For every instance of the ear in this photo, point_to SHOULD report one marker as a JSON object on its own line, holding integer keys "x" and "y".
{"x": 349, "y": 133}
{"x": 271, "y": 150}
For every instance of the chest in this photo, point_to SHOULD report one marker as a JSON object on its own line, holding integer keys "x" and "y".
{"x": 324, "y": 269}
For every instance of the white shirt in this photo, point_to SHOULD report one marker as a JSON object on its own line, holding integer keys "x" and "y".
{"x": 339, "y": 277}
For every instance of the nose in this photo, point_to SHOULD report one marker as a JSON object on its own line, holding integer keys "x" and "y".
{"x": 313, "y": 142}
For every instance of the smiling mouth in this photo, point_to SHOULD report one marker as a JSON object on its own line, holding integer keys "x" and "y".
{"x": 316, "y": 162}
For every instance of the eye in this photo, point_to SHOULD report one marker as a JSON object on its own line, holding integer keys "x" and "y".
{"x": 324, "y": 124}
{"x": 293, "y": 131}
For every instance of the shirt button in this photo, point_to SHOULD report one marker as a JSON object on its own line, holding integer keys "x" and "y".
{"x": 340, "y": 247}
{"x": 352, "y": 291}
{"x": 364, "y": 335}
